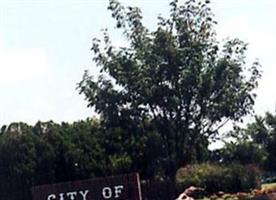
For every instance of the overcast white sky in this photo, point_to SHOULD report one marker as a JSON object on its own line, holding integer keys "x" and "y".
{"x": 45, "y": 47}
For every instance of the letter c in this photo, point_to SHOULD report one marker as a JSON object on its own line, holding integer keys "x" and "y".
{"x": 51, "y": 197}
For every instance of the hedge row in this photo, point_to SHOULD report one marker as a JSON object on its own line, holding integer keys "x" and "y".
{"x": 214, "y": 177}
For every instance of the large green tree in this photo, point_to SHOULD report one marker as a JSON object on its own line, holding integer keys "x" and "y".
{"x": 176, "y": 84}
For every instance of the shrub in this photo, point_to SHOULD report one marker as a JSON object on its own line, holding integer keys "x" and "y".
{"x": 214, "y": 177}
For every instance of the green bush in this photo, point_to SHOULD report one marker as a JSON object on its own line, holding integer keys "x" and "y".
{"x": 214, "y": 177}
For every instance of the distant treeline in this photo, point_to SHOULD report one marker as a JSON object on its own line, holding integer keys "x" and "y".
{"x": 49, "y": 152}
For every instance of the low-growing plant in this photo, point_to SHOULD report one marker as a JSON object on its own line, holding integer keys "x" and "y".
{"x": 215, "y": 177}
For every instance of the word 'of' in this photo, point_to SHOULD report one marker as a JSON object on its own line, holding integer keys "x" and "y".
{"x": 107, "y": 193}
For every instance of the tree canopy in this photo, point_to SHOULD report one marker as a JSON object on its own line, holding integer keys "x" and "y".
{"x": 177, "y": 84}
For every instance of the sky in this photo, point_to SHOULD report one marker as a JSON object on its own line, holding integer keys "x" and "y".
{"x": 45, "y": 48}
